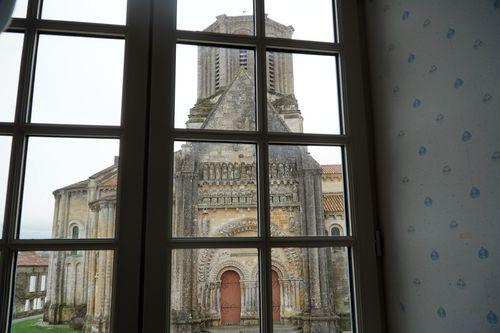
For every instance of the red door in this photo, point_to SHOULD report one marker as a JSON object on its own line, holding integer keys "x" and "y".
{"x": 276, "y": 297}
{"x": 230, "y": 298}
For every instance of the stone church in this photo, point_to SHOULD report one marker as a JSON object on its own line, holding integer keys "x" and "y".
{"x": 215, "y": 195}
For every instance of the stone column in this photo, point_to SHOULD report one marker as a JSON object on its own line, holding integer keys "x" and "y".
{"x": 217, "y": 297}
{"x": 243, "y": 300}
{"x": 91, "y": 261}
{"x": 109, "y": 260}
{"x": 211, "y": 298}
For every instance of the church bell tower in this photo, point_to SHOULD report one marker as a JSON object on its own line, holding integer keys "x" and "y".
{"x": 219, "y": 67}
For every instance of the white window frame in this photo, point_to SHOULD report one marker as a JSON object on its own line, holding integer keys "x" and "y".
{"x": 43, "y": 282}
{"x": 26, "y": 305}
{"x": 32, "y": 284}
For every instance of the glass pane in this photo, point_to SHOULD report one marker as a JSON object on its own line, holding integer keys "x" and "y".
{"x": 302, "y": 93}
{"x": 307, "y": 190}
{"x": 70, "y": 183}
{"x": 215, "y": 88}
{"x": 93, "y": 11}
{"x": 20, "y": 9}
{"x": 61, "y": 291}
{"x": 221, "y": 295}
{"x": 215, "y": 190}
{"x": 78, "y": 80}
{"x": 5, "y": 146}
{"x": 307, "y": 20}
{"x": 221, "y": 16}
{"x": 311, "y": 290}
{"x": 11, "y": 48}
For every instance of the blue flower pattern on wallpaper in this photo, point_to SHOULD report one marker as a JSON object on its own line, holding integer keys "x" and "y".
{"x": 411, "y": 58}
{"x": 422, "y": 151}
{"x": 492, "y": 318}
{"x": 483, "y": 253}
{"x": 446, "y": 170}
{"x": 474, "y": 193}
{"x": 450, "y": 33}
{"x": 434, "y": 255}
{"x": 458, "y": 83}
{"x": 402, "y": 307}
{"x": 487, "y": 98}
{"x": 441, "y": 312}
{"x": 445, "y": 227}
{"x": 477, "y": 44}
{"x": 461, "y": 284}
{"x": 466, "y": 136}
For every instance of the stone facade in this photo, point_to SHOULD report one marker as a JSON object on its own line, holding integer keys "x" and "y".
{"x": 215, "y": 195}
{"x": 79, "y": 288}
{"x": 31, "y": 283}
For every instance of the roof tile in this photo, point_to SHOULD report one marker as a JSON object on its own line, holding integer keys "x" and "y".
{"x": 332, "y": 169}
{"x": 333, "y": 202}
{"x": 31, "y": 259}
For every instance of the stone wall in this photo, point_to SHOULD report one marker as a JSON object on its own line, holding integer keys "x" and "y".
{"x": 22, "y": 293}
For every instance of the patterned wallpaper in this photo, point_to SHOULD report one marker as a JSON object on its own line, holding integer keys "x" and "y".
{"x": 435, "y": 74}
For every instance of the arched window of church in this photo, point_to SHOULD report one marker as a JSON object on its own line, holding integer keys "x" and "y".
{"x": 75, "y": 234}
{"x": 335, "y": 231}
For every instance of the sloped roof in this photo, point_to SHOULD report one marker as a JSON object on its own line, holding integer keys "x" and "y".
{"x": 235, "y": 109}
{"x": 333, "y": 202}
{"x": 105, "y": 177}
{"x": 112, "y": 181}
{"x": 332, "y": 168}
{"x": 31, "y": 258}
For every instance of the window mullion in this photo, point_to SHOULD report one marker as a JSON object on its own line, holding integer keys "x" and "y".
{"x": 7, "y": 261}
{"x": 16, "y": 166}
{"x": 159, "y": 181}
{"x": 266, "y": 309}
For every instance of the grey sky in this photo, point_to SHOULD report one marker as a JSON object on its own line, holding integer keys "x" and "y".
{"x": 5, "y": 144}
{"x": 95, "y": 11}
{"x": 79, "y": 81}
{"x": 53, "y": 163}
{"x": 11, "y": 47}
{"x": 312, "y": 20}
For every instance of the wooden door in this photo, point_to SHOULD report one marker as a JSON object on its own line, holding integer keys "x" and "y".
{"x": 230, "y": 298}
{"x": 276, "y": 297}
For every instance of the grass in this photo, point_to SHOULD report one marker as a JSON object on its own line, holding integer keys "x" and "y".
{"x": 30, "y": 326}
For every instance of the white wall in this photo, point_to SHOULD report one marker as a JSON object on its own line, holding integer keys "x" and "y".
{"x": 435, "y": 74}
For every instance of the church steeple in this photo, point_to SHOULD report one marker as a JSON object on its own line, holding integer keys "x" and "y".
{"x": 219, "y": 67}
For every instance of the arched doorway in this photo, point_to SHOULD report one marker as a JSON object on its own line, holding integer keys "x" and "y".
{"x": 276, "y": 297}
{"x": 230, "y": 298}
